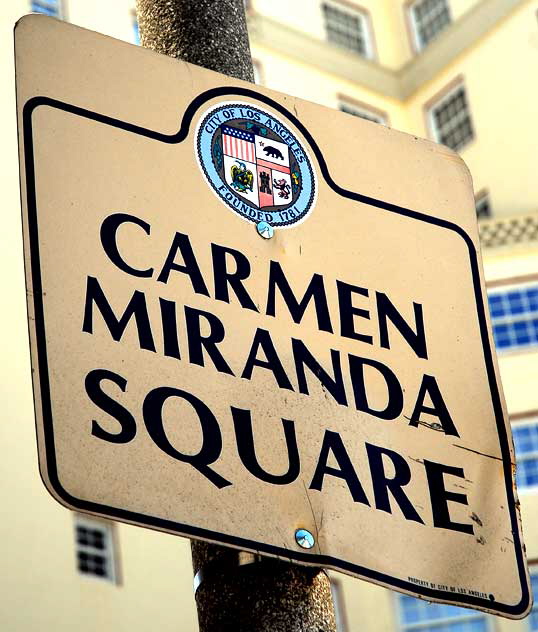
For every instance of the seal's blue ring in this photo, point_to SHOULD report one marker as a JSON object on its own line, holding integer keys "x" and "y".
{"x": 304, "y": 203}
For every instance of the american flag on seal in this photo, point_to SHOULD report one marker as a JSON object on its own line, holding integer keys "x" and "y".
{"x": 238, "y": 143}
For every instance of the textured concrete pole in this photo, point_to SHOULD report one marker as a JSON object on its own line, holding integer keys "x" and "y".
{"x": 209, "y": 33}
{"x": 241, "y": 592}
{"x": 237, "y": 592}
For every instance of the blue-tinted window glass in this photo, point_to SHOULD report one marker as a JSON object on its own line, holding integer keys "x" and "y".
{"x": 531, "y": 474}
{"x": 534, "y": 329}
{"x": 533, "y": 616}
{"x": 496, "y": 306}
{"x": 526, "y": 447}
{"x": 514, "y": 314}
{"x": 136, "y": 32}
{"x": 533, "y": 619}
{"x": 502, "y": 330}
{"x": 501, "y": 336}
{"x": 516, "y": 299}
{"x": 523, "y": 440}
{"x": 532, "y": 295}
{"x": 417, "y": 615}
{"x": 48, "y": 7}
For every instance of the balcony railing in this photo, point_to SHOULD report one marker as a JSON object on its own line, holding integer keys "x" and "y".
{"x": 508, "y": 231}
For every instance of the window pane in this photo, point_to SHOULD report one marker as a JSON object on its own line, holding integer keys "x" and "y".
{"x": 94, "y": 548}
{"x": 429, "y": 18}
{"x": 451, "y": 120}
{"x": 347, "y": 29}
{"x": 361, "y": 113}
{"x": 533, "y": 617}
{"x": 514, "y": 314}
{"x": 483, "y": 207}
{"x": 136, "y": 32}
{"x": 532, "y": 297}
{"x": 526, "y": 447}
{"x": 418, "y": 615}
{"x": 48, "y": 7}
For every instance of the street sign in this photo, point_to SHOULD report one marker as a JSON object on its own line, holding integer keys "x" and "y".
{"x": 260, "y": 322}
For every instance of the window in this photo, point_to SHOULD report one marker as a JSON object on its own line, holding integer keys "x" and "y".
{"x": 514, "y": 316}
{"x": 421, "y": 616}
{"x": 348, "y": 28}
{"x": 136, "y": 30}
{"x": 533, "y": 616}
{"x": 364, "y": 113}
{"x": 95, "y": 556}
{"x": 525, "y": 435}
{"x": 257, "y": 68}
{"x": 338, "y": 601}
{"x": 428, "y": 19}
{"x": 450, "y": 119}
{"x": 48, "y": 7}
{"x": 483, "y": 207}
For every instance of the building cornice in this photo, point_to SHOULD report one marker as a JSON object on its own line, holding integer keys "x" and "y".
{"x": 399, "y": 83}
{"x": 325, "y": 56}
{"x": 510, "y": 231}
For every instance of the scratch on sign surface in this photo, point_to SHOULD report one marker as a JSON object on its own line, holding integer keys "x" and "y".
{"x": 490, "y": 456}
{"x": 313, "y": 515}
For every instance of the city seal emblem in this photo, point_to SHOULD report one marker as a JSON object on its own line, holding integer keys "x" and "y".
{"x": 255, "y": 164}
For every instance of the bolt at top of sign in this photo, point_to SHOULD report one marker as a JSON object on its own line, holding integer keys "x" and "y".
{"x": 304, "y": 538}
{"x": 265, "y": 230}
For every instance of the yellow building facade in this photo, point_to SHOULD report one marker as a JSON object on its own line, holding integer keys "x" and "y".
{"x": 463, "y": 72}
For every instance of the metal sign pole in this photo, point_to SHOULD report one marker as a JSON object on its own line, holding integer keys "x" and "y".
{"x": 234, "y": 590}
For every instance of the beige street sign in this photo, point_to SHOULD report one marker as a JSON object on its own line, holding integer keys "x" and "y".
{"x": 251, "y": 315}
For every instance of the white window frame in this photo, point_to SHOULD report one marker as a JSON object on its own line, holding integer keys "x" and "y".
{"x": 258, "y": 72}
{"x": 364, "y": 18}
{"x": 108, "y": 552}
{"x": 527, "y": 489}
{"x": 338, "y": 603}
{"x": 434, "y": 131}
{"x": 417, "y": 42}
{"x": 420, "y": 625}
{"x": 381, "y": 119}
{"x": 504, "y": 289}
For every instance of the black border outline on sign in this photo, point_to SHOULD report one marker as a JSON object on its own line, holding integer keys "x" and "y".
{"x": 167, "y": 525}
